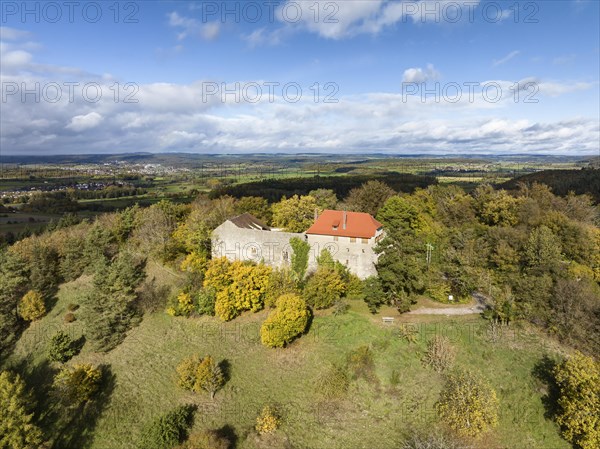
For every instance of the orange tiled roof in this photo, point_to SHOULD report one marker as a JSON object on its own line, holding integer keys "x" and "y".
{"x": 358, "y": 224}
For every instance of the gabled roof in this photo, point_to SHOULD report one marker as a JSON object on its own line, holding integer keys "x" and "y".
{"x": 248, "y": 221}
{"x": 358, "y": 224}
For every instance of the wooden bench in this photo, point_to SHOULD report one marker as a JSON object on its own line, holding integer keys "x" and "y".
{"x": 387, "y": 319}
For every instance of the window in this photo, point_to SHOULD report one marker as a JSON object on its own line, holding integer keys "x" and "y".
{"x": 365, "y": 241}
{"x": 346, "y": 261}
{"x": 352, "y": 239}
{"x": 335, "y": 238}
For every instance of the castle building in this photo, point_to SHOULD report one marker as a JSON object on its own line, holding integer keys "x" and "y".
{"x": 350, "y": 237}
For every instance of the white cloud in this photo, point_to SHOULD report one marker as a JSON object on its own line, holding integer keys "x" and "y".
{"x": 210, "y": 31}
{"x": 83, "y": 122}
{"x": 263, "y": 36}
{"x": 12, "y": 34}
{"x": 15, "y": 58}
{"x": 193, "y": 28}
{"x": 171, "y": 117}
{"x": 419, "y": 75}
{"x": 343, "y": 19}
{"x": 505, "y": 59}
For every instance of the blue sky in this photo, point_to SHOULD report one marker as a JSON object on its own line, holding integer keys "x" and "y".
{"x": 375, "y": 58}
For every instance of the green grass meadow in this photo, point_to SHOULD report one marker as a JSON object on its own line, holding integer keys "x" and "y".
{"x": 373, "y": 415}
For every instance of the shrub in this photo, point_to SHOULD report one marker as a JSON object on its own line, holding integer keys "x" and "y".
{"x": 468, "y": 404}
{"x": 61, "y": 348}
{"x": 72, "y": 307}
{"x": 79, "y": 383}
{"x": 286, "y": 322}
{"x": 440, "y": 354}
{"x": 408, "y": 333}
{"x": 360, "y": 363}
{"x": 31, "y": 306}
{"x": 340, "y": 307}
{"x": 70, "y": 317}
{"x": 267, "y": 421}
{"x": 196, "y": 374}
{"x": 168, "y": 430}
{"x": 332, "y": 382}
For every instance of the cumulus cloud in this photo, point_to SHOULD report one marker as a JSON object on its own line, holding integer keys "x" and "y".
{"x": 84, "y": 122}
{"x": 343, "y": 19}
{"x": 419, "y": 75}
{"x": 181, "y": 117}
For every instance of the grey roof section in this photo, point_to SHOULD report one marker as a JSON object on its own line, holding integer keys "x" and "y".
{"x": 247, "y": 221}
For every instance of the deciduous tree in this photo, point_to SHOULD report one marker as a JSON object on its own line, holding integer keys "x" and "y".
{"x": 578, "y": 380}
{"x": 200, "y": 374}
{"x": 369, "y": 197}
{"x": 78, "y": 384}
{"x": 286, "y": 322}
{"x": 295, "y": 214}
{"x": 323, "y": 288}
{"x": 31, "y": 306}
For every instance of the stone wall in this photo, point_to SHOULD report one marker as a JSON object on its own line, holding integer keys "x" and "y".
{"x": 273, "y": 248}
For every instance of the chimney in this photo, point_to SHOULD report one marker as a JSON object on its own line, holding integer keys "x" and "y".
{"x": 344, "y": 221}
{"x": 316, "y": 213}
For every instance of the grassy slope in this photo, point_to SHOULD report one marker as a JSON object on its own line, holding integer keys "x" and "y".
{"x": 372, "y": 416}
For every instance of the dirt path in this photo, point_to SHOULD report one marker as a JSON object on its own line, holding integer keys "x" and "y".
{"x": 464, "y": 310}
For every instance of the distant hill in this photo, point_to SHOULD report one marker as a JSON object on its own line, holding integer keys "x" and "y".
{"x": 562, "y": 181}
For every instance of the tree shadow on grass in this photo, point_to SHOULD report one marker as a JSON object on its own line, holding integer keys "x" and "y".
{"x": 543, "y": 371}
{"x": 225, "y": 366}
{"x": 38, "y": 378}
{"x": 79, "y": 344}
{"x": 74, "y": 426}
{"x": 228, "y": 432}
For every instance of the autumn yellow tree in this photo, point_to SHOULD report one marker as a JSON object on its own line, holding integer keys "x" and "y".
{"x": 578, "y": 380}
{"x": 468, "y": 404}
{"x": 200, "y": 374}
{"x": 239, "y": 286}
{"x": 295, "y": 214}
{"x": 286, "y": 322}
{"x": 217, "y": 274}
{"x": 31, "y": 306}
{"x": 79, "y": 383}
